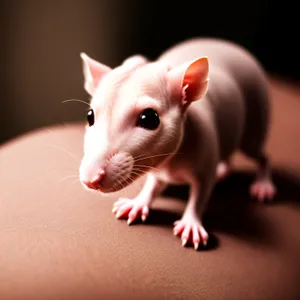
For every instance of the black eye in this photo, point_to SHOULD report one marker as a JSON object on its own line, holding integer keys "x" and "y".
{"x": 90, "y": 117}
{"x": 148, "y": 119}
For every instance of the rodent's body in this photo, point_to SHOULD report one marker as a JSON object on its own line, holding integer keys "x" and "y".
{"x": 237, "y": 95}
{"x": 195, "y": 125}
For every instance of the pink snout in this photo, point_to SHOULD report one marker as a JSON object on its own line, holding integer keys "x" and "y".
{"x": 95, "y": 181}
{"x": 107, "y": 174}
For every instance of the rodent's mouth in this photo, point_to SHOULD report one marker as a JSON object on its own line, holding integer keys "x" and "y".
{"x": 124, "y": 179}
{"x": 118, "y": 173}
{"x": 104, "y": 187}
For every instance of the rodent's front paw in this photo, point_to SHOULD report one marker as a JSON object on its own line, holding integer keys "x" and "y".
{"x": 131, "y": 209}
{"x": 191, "y": 229}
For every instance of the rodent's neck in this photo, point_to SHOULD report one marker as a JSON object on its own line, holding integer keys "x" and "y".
{"x": 192, "y": 129}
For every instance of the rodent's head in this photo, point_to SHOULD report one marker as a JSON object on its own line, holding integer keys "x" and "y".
{"x": 136, "y": 117}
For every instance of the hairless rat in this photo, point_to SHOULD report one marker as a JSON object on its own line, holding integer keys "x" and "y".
{"x": 178, "y": 120}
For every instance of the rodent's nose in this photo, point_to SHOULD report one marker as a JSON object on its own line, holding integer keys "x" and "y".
{"x": 95, "y": 181}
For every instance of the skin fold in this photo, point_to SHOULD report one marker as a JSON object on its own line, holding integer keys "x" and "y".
{"x": 211, "y": 97}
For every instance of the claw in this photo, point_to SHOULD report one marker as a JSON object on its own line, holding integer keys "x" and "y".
{"x": 145, "y": 213}
{"x": 191, "y": 229}
{"x": 179, "y": 228}
{"x": 119, "y": 214}
{"x": 131, "y": 209}
{"x": 176, "y": 223}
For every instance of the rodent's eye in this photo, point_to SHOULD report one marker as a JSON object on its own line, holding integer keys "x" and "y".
{"x": 91, "y": 117}
{"x": 148, "y": 119}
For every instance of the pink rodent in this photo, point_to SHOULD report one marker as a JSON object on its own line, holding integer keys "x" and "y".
{"x": 176, "y": 120}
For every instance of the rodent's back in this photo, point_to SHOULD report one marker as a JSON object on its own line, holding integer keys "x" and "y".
{"x": 236, "y": 63}
{"x": 231, "y": 58}
{"x": 225, "y": 54}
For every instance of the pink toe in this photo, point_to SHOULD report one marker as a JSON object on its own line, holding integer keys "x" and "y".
{"x": 145, "y": 213}
{"x": 254, "y": 189}
{"x": 120, "y": 202}
{"x": 263, "y": 189}
{"x": 132, "y": 215}
{"x": 179, "y": 228}
{"x": 124, "y": 209}
{"x": 262, "y": 193}
{"x": 203, "y": 233}
{"x": 259, "y": 195}
{"x": 186, "y": 232}
{"x": 269, "y": 193}
{"x": 185, "y": 235}
{"x": 134, "y": 211}
{"x": 196, "y": 236}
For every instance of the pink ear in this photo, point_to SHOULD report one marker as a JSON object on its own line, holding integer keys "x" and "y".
{"x": 190, "y": 82}
{"x": 93, "y": 71}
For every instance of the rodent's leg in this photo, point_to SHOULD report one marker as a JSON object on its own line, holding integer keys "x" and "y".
{"x": 139, "y": 206}
{"x": 263, "y": 187}
{"x": 190, "y": 226}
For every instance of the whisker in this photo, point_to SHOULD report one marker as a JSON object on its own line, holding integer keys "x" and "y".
{"x": 65, "y": 151}
{"x": 146, "y": 166}
{"x": 123, "y": 187}
{"x": 76, "y": 180}
{"x": 143, "y": 154}
{"x": 157, "y": 155}
{"x": 68, "y": 177}
{"x": 51, "y": 171}
{"x": 76, "y": 100}
{"x": 139, "y": 172}
{"x": 135, "y": 173}
{"x": 139, "y": 156}
{"x": 67, "y": 169}
{"x": 131, "y": 179}
{"x": 68, "y": 187}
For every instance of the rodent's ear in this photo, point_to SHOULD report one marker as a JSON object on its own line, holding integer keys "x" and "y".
{"x": 135, "y": 61}
{"x": 93, "y": 71}
{"x": 189, "y": 81}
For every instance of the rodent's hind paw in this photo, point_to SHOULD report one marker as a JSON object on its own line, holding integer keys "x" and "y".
{"x": 131, "y": 209}
{"x": 191, "y": 230}
{"x": 222, "y": 171}
{"x": 263, "y": 189}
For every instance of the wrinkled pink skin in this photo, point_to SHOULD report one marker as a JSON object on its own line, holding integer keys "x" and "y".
{"x": 212, "y": 100}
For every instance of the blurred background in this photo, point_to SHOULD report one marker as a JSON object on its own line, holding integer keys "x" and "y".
{"x": 41, "y": 42}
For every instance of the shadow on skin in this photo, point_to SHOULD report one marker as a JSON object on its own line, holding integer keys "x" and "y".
{"x": 231, "y": 209}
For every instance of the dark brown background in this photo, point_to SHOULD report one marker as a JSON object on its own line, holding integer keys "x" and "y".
{"x": 41, "y": 42}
